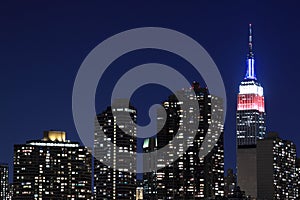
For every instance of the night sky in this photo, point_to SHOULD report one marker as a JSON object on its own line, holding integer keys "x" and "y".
{"x": 43, "y": 44}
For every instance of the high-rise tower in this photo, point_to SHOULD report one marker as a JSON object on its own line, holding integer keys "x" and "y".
{"x": 188, "y": 177}
{"x": 117, "y": 180}
{"x": 297, "y": 182}
{"x": 276, "y": 165}
{"x": 250, "y": 114}
{"x": 250, "y": 124}
{"x": 52, "y": 168}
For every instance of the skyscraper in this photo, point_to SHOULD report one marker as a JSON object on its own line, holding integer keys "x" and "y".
{"x": 250, "y": 106}
{"x": 188, "y": 177}
{"x": 250, "y": 124}
{"x": 297, "y": 178}
{"x": 52, "y": 168}
{"x": 3, "y": 181}
{"x": 115, "y": 181}
{"x": 276, "y": 165}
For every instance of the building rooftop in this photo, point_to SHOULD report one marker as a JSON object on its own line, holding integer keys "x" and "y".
{"x": 54, "y": 136}
{"x": 272, "y": 135}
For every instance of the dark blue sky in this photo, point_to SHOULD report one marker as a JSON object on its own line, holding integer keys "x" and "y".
{"x": 43, "y": 44}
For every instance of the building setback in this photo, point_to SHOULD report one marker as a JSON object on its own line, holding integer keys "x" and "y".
{"x": 3, "y": 181}
{"x": 52, "y": 168}
{"x": 113, "y": 179}
{"x": 250, "y": 125}
{"x": 276, "y": 159}
{"x": 188, "y": 177}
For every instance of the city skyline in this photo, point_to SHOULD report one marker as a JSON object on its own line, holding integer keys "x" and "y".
{"x": 42, "y": 82}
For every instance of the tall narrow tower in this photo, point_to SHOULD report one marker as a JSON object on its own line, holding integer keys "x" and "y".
{"x": 250, "y": 124}
{"x": 250, "y": 113}
{"x": 116, "y": 180}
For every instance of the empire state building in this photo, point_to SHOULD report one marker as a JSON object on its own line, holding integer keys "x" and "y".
{"x": 250, "y": 113}
{"x": 250, "y": 124}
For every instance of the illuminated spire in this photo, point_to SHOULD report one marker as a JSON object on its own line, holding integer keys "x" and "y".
{"x": 250, "y": 54}
{"x": 250, "y": 58}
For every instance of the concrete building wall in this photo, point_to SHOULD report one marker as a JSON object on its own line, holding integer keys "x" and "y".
{"x": 247, "y": 170}
{"x": 265, "y": 188}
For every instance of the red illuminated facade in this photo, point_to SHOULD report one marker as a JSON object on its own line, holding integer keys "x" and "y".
{"x": 251, "y": 102}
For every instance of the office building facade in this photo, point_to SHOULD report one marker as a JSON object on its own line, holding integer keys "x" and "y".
{"x": 187, "y": 177}
{"x": 297, "y": 182}
{"x": 113, "y": 177}
{"x": 52, "y": 168}
{"x": 3, "y": 181}
{"x": 276, "y": 165}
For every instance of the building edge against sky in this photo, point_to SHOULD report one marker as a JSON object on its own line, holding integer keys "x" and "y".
{"x": 267, "y": 167}
{"x": 250, "y": 104}
{"x": 188, "y": 177}
{"x": 251, "y": 129}
{"x": 276, "y": 168}
{"x": 112, "y": 177}
{"x": 3, "y": 180}
{"x": 250, "y": 124}
{"x": 52, "y": 168}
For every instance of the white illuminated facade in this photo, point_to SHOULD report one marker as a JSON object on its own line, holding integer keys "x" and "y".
{"x": 52, "y": 168}
{"x": 251, "y": 87}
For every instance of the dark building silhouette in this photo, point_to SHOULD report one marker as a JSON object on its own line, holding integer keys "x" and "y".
{"x": 52, "y": 168}
{"x": 113, "y": 179}
{"x": 237, "y": 194}
{"x": 230, "y": 183}
{"x": 188, "y": 177}
{"x": 250, "y": 125}
{"x": 10, "y": 192}
{"x": 276, "y": 165}
{"x": 3, "y": 181}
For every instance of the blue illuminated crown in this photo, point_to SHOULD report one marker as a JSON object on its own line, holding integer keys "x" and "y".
{"x": 250, "y": 74}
